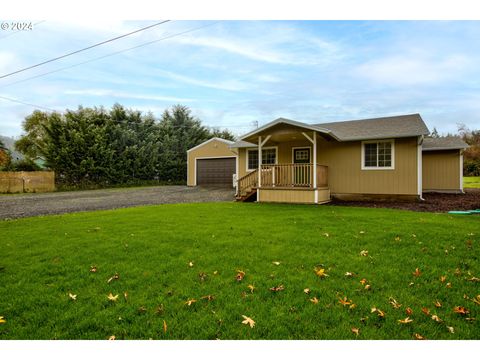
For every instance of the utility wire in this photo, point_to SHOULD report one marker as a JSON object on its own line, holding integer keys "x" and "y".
{"x": 25, "y": 103}
{"x": 111, "y": 54}
{"x": 84, "y": 49}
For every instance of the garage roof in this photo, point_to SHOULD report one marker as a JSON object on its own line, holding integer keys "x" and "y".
{"x": 443, "y": 143}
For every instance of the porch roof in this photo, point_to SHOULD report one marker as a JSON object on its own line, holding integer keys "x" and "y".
{"x": 443, "y": 143}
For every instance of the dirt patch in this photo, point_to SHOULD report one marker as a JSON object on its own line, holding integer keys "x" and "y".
{"x": 432, "y": 203}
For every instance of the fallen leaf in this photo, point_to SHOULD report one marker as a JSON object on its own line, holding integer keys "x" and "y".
{"x": 363, "y": 281}
{"x": 125, "y": 295}
{"x": 436, "y": 318}
{"x": 208, "y": 297}
{"x": 367, "y": 287}
{"x": 240, "y": 275}
{"x": 114, "y": 277}
{"x": 248, "y": 321}
{"x": 364, "y": 253}
{"x": 362, "y": 232}
{"x": 93, "y": 269}
{"x": 306, "y": 291}
{"x": 314, "y": 300}
{"x": 438, "y": 304}
{"x": 202, "y": 276}
{"x": 320, "y": 272}
{"x": 276, "y": 263}
{"x": 356, "y": 331}
{"x": 460, "y": 310}
{"x": 418, "y": 336}
{"x": 326, "y": 234}
{"x": 451, "y": 329}
{"x": 2, "y": 320}
{"x": 215, "y": 272}
{"x": 252, "y": 288}
{"x": 379, "y": 312}
{"x": 449, "y": 285}
{"x": 111, "y": 337}
{"x": 142, "y": 310}
{"x": 277, "y": 288}
{"x": 426, "y": 311}
{"x": 458, "y": 272}
{"x": 443, "y": 278}
{"x": 190, "y": 302}
{"x": 111, "y": 297}
{"x": 349, "y": 274}
{"x": 417, "y": 272}
{"x": 164, "y": 327}
{"x": 160, "y": 310}
{"x": 474, "y": 279}
{"x": 397, "y": 238}
{"x": 72, "y": 296}
{"x": 470, "y": 319}
{"x": 394, "y": 303}
{"x": 190, "y": 264}
{"x": 344, "y": 301}
{"x": 352, "y": 306}
{"x": 476, "y": 300}
{"x": 408, "y": 311}
{"x": 405, "y": 321}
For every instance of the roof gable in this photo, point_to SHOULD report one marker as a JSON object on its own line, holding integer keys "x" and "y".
{"x": 228, "y": 142}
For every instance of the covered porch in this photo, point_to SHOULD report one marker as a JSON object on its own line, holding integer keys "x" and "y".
{"x": 281, "y": 165}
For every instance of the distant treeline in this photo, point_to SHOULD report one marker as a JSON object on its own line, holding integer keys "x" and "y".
{"x": 95, "y": 146}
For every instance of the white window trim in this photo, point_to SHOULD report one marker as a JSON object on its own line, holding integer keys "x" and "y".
{"x": 392, "y": 167}
{"x": 263, "y": 148}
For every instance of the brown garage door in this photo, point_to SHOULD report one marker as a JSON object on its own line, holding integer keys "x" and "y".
{"x": 217, "y": 172}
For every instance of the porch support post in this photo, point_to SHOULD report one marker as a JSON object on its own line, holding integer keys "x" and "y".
{"x": 314, "y": 170}
{"x": 259, "y": 162}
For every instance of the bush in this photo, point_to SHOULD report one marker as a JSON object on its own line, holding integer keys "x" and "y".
{"x": 21, "y": 165}
{"x": 471, "y": 167}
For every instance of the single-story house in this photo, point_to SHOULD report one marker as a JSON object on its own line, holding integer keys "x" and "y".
{"x": 294, "y": 162}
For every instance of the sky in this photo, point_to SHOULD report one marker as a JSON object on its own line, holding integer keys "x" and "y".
{"x": 234, "y": 74}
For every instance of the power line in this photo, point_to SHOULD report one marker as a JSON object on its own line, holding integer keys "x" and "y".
{"x": 25, "y": 103}
{"x": 84, "y": 49}
{"x": 111, "y": 54}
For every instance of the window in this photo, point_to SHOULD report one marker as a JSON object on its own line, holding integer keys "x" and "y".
{"x": 378, "y": 155}
{"x": 269, "y": 157}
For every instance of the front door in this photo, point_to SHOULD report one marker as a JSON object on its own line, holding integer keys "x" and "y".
{"x": 301, "y": 174}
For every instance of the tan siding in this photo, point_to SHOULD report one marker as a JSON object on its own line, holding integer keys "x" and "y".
{"x": 441, "y": 170}
{"x": 212, "y": 149}
{"x": 287, "y": 196}
{"x": 345, "y": 175}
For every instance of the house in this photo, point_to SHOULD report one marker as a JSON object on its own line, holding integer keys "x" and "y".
{"x": 294, "y": 162}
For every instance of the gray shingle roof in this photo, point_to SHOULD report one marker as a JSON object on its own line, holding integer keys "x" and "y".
{"x": 241, "y": 144}
{"x": 443, "y": 143}
{"x": 378, "y": 128}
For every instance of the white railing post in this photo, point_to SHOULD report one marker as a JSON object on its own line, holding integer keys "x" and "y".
{"x": 259, "y": 161}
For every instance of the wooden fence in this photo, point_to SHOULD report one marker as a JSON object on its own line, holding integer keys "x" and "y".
{"x": 26, "y": 181}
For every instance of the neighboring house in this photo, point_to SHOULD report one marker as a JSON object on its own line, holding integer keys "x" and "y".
{"x": 294, "y": 162}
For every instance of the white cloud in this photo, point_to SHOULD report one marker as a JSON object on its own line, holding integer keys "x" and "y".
{"x": 412, "y": 69}
{"x": 230, "y": 85}
{"x": 117, "y": 94}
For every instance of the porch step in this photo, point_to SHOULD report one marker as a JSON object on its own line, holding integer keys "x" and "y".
{"x": 246, "y": 196}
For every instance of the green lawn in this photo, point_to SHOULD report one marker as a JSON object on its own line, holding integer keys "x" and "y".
{"x": 43, "y": 259}
{"x": 471, "y": 182}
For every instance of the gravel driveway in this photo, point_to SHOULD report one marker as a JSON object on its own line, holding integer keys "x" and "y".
{"x": 24, "y": 205}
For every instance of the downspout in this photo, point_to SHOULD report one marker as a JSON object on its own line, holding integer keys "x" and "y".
{"x": 420, "y": 168}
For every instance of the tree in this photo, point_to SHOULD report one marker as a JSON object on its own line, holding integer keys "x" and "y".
{"x": 31, "y": 144}
{"x": 5, "y": 157}
{"x": 471, "y": 165}
{"x": 434, "y": 133}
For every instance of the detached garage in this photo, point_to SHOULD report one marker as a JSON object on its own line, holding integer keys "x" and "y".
{"x": 442, "y": 164}
{"x": 211, "y": 163}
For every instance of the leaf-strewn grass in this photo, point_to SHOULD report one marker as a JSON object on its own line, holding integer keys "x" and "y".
{"x": 44, "y": 259}
{"x": 471, "y": 182}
